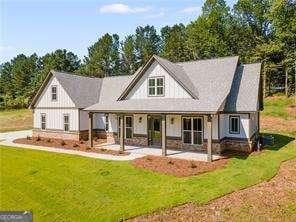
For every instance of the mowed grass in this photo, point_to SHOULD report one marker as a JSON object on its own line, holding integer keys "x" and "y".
{"x": 276, "y": 106}
{"x": 16, "y": 119}
{"x": 60, "y": 187}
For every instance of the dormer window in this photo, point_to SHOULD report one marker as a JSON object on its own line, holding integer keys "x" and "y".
{"x": 54, "y": 95}
{"x": 156, "y": 86}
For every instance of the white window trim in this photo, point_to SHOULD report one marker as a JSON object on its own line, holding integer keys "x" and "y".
{"x": 130, "y": 127}
{"x": 230, "y": 124}
{"x": 41, "y": 122}
{"x": 155, "y": 86}
{"x": 192, "y": 130}
{"x": 56, "y": 93}
{"x": 66, "y": 114}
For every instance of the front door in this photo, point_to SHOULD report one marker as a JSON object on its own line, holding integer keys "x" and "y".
{"x": 154, "y": 131}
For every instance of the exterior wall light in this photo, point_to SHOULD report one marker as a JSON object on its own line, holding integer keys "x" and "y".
{"x": 172, "y": 120}
{"x": 140, "y": 119}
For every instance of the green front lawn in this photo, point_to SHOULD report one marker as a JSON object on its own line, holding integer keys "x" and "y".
{"x": 276, "y": 106}
{"x": 60, "y": 187}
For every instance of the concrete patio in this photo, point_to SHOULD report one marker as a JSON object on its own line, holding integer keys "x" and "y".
{"x": 144, "y": 151}
{"x": 7, "y": 138}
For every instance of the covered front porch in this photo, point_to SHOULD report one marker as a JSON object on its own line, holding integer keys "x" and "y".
{"x": 140, "y": 151}
{"x": 154, "y": 138}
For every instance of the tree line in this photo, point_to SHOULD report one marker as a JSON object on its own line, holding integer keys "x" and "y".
{"x": 258, "y": 31}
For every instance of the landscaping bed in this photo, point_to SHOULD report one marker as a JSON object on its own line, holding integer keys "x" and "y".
{"x": 177, "y": 167}
{"x": 272, "y": 200}
{"x": 69, "y": 144}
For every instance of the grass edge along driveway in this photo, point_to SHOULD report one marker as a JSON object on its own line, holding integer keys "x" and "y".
{"x": 61, "y": 187}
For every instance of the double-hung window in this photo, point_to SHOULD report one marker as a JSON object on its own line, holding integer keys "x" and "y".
{"x": 234, "y": 124}
{"x": 156, "y": 86}
{"x": 43, "y": 121}
{"x": 128, "y": 129}
{"x": 66, "y": 122}
{"x": 192, "y": 130}
{"x": 54, "y": 95}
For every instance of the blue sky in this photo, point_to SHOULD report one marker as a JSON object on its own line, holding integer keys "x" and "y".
{"x": 44, "y": 26}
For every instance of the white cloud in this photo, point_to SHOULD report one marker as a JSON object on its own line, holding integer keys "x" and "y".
{"x": 154, "y": 16}
{"x": 192, "y": 9}
{"x": 6, "y": 48}
{"x": 119, "y": 8}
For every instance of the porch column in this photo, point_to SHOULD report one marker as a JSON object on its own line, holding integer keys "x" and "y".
{"x": 122, "y": 132}
{"x": 209, "y": 126}
{"x": 90, "y": 130}
{"x": 163, "y": 135}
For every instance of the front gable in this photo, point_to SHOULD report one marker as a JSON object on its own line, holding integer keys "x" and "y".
{"x": 45, "y": 98}
{"x": 171, "y": 89}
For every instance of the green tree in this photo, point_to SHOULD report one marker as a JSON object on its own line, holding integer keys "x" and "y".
{"x": 103, "y": 57}
{"x": 208, "y": 36}
{"x": 254, "y": 13}
{"x": 128, "y": 47}
{"x": 283, "y": 18}
{"x": 147, "y": 43}
{"x": 16, "y": 78}
{"x": 174, "y": 43}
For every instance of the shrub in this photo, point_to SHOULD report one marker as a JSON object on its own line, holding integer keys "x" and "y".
{"x": 63, "y": 143}
{"x": 192, "y": 165}
{"x": 171, "y": 162}
{"x": 121, "y": 152}
{"x": 48, "y": 140}
{"x": 149, "y": 158}
{"x": 75, "y": 145}
{"x": 81, "y": 142}
{"x": 29, "y": 138}
{"x": 103, "y": 149}
{"x": 38, "y": 138}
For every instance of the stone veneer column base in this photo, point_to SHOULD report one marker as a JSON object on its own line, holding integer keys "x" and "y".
{"x": 176, "y": 143}
{"x": 135, "y": 141}
{"x": 56, "y": 134}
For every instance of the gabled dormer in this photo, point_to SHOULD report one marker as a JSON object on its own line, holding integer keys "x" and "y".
{"x": 160, "y": 78}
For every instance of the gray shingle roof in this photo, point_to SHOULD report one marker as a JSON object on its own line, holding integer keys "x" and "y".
{"x": 244, "y": 91}
{"x": 84, "y": 91}
{"x": 212, "y": 77}
{"x": 218, "y": 84}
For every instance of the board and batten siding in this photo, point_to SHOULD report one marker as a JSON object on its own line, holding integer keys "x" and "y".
{"x": 244, "y": 126}
{"x": 172, "y": 89}
{"x": 140, "y": 124}
{"x": 98, "y": 120}
{"x": 54, "y": 118}
{"x": 63, "y": 99}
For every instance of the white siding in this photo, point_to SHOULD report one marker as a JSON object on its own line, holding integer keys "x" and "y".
{"x": 63, "y": 100}
{"x": 140, "y": 127}
{"x": 244, "y": 126}
{"x": 172, "y": 88}
{"x": 215, "y": 127}
{"x": 253, "y": 123}
{"x": 98, "y": 120}
{"x": 54, "y": 118}
{"x": 174, "y": 129}
{"x": 113, "y": 123}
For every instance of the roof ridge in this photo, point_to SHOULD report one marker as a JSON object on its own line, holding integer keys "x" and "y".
{"x": 215, "y": 58}
{"x": 90, "y": 77}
